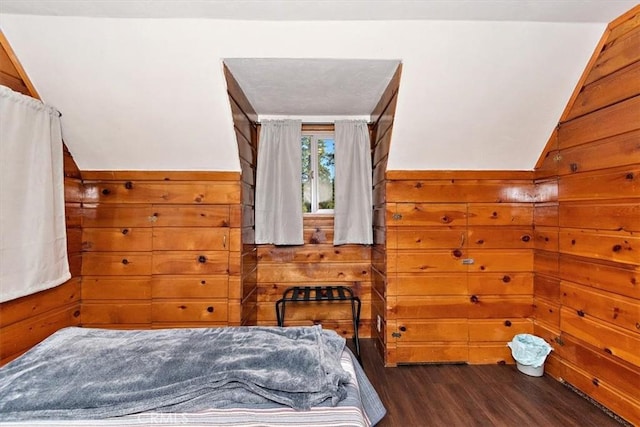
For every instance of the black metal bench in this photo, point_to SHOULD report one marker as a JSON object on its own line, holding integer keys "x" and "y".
{"x": 306, "y": 294}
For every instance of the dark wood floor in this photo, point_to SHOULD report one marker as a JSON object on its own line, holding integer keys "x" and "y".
{"x": 475, "y": 395}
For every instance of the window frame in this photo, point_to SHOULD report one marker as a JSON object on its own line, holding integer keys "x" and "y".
{"x": 314, "y": 162}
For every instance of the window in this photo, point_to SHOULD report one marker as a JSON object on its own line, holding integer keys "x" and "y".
{"x": 318, "y": 173}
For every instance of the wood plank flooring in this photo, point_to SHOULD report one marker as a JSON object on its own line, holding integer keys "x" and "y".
{"x": 475, "y": 395}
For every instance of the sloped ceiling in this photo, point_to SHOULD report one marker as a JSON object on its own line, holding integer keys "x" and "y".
{"x": 144, "y": 93}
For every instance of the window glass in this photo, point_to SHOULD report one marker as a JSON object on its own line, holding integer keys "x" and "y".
{"x": 318, "y": 173}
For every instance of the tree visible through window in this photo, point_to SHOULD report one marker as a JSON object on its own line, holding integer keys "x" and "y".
{"x": 318, "y": 173}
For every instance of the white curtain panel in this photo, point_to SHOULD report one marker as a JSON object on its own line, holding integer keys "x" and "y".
{"x": 279, "y": 183}
{"x": 33, "y": 240}
{"x": 353, "y": 209}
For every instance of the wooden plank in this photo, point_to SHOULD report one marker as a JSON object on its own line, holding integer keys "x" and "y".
{"x": 545, "y": 215}
{"x": 623, "y": 376}
{"x": 500, "y": 283}
{"x": 198, "y": 192}
{"x": 382, "y": 148}
{"x": 428, "y": 261}
{"x": 116, "y": 239}
{"x": 615, "y": 151}
{"x": 73, "y": 190}
{"x": 234, "y": 90}
{"x": 387, "y": 100}
{"x": 328, "y": 273}
{"x": 272, "y": 292}
{"x": 546, "y": 191}
{"x": 116, "y": 313}
{"x": 176, "y": 287}
{"x": 484, "y": 353}
{"x": 546, "y": 238}
{"x": 313, "y": 312}
{"x": 622, "y": 279}
{"x": 546, "y": 263}
{"x": 190, "y": 262}
{"x": 191, "y": 216}
{"x": 476, "y": 191}
{"x": 614, "y": 184}
{"x": 501, "y": 238}
{"x": 420, "y": 214}
{"x": 600, "y": 216}
{"x": 191, "y": 238}
{"x": 240, "y": 120}
{"x": 626, "y": 406}
{"x": 491, "y": 307}
{"x": 70, "y": 168}
{"x": 547, "y": 288}
{"x": 616, "y": 87}
{"x": 456, "y": 330}
{"x": 73, "y": 215}
{"x": 502, "y": 330}
{"x": 622, "y": 248}
{"x": 117, "y": 216}
{"x": 426, "y": 238}
{"x": 7, "y": 67}
{"x": 13, "y": 83}
{"x": 74, "y": 240}
{"x": 500, "y": 214}
{"x": 619, "y": 53}
{"x": 212, "y": 310}
{"x": 22, "y": 335}
{"x": 431, "y": 352}
{"x": 501, "y": 260}
{"x": 431, "y": 307}
{"x": 615, "y": 309}
{"x": 116, "y": 264}
{"x": 110, "y": 288}
{"x": 606, "y": 337}
{"x": 547, "y": 311}
{"x": 610, "y": 121}
{"x": 34, "y": 305}
{"x": 405, "y": 284}
{"x": 313, "y": 254}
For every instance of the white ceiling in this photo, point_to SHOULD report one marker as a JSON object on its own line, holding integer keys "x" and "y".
{"x": 325, "y": 10}
{"x": 312, "y": 87}
{"x": 484, "y": 92}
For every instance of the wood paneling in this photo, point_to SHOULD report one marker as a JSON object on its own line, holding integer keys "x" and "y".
{"x": 28, "y": 320}
{"x": 587, "y": 298}
{"x": 142, "y": 258}
{"x": 243, "y": 287}
{"x": 459, "y": 247}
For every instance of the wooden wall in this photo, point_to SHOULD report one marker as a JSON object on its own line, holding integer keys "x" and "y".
{"x": 317, "y": 262}
{"x": 382, "y": 118}
{"x": 244, "y": 121}
{"x": 161, "y": 249}
{"x": 587, "y": 281}
{"x": 459, "y": 265}
{"x": 28, "y": 320}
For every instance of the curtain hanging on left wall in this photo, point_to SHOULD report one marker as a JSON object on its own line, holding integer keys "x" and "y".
{"x": 33, "y": 238}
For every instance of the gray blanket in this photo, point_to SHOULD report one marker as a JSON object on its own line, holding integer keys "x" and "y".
{"x": 94, "y": 373}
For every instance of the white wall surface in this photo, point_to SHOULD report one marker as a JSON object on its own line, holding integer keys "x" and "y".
{"x": 149, "y": 94}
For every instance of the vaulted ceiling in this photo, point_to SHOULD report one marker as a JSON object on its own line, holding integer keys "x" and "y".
{"x": 141, "y": 85}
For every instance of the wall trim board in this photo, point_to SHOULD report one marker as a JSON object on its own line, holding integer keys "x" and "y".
{"x": 160, "y": 176}
{"x": 458, "y": 174}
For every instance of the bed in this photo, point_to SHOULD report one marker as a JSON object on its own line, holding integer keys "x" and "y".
{"x": 236, "y": 376}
